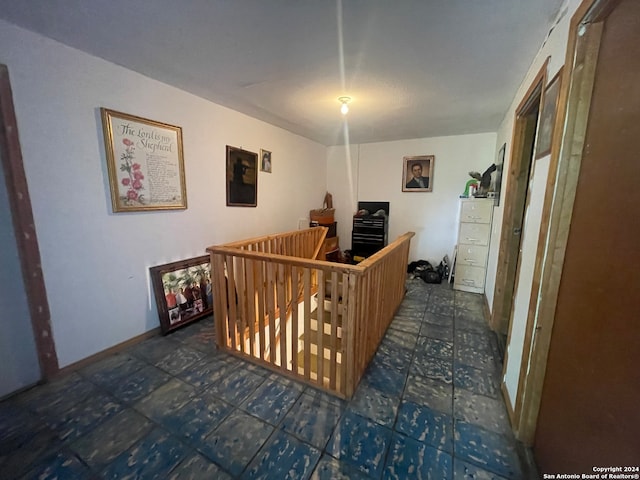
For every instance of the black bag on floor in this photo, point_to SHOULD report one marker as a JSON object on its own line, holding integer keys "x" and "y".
{"x": 418, "y": 266}
{"x": 424, "y": 270}
{"x": 431, "y": 276}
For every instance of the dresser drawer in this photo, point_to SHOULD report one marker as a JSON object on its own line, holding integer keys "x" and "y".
{"x": 478, "y": 211}
{"x": 472, "y": 255}
{"x": 370, "y": 221}
{"x": 474, "y": 233}
{"x": 469, "y": 278}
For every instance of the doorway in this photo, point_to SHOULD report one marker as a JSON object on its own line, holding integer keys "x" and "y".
{"x": 521, "y": 164}
{"x": 28, "y": 350}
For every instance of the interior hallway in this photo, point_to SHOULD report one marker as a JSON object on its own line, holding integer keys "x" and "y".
{"x": 173, "y": 407}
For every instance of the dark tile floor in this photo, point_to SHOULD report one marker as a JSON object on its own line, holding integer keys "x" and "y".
{"x": 173, "y": 407}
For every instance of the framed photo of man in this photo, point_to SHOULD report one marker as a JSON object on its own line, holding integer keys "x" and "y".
{"x": 417, "y": 173}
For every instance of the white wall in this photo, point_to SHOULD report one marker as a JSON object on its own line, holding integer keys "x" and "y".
{"x": 342, "y": 183}
{"x": 554, "y": 48}
{"x": 95, "y": 262}
{"x": 433, "y": 216}
{"x": 18, "y": 355}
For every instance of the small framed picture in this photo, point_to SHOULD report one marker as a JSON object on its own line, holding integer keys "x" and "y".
{"x": 242, "y": 178}
{"x": 548, "y": 116}
{"x": 183, "y": 291}
{"x": 497, "y": 175}
{"x": 417, "y": 173}
{"x": 265, "y": 161}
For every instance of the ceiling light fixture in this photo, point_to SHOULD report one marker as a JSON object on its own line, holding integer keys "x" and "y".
{"x": 344, "y": 108}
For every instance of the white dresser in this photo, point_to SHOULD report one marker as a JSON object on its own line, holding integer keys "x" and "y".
{"x": 473, "y": 244}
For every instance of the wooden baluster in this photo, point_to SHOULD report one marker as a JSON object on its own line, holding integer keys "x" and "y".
{"x": 307, "y": 323}
{"x": 320, "y": 332}
{"x": 282, "y": 321}
{"x": 261, "y": 308}
{"x": 231, "y": 298}
{"x": 242, "y": 304}
{"x": 333, "y": 345}
{"x": 251, "y": 300}
{"x": 294, "y": 319}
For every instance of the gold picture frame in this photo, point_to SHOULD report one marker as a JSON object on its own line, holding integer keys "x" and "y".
{"x": 420, "y": 180}
{"x": 145, "y": 163}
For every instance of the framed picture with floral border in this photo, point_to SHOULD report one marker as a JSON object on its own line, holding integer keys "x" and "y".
{"x": 183, "y": 291}
{"x": 145, "y": 163}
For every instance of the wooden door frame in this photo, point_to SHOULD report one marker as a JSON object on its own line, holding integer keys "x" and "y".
{"x": 515, "y": 198}
{"x": 25, "y": 230}
{"x": 574, "y": 102}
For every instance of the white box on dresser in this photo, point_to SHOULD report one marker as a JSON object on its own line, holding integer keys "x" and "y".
{"x": 474, "y": 234}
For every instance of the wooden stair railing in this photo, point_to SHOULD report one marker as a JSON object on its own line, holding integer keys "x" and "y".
{"x": 297, "y": 299}
{"x": 328, "y": 340}
{"x": 310, "y": 248}
{"x": 312, "y": 320}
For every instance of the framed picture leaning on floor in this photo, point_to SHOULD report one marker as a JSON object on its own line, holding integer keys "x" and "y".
{"x": 183, "y": 291}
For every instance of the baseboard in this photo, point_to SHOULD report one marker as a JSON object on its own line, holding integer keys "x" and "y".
{"x": 105, "y": 353}
{"x": 501, "y": 340}
{"x": 20, "y": 390}
{"x": 527, "y": 462}
{"x": 486, "y": 311}
{"x": 509, "y": 405}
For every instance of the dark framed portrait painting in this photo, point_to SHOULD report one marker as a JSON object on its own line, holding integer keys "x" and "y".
{"x": 242, "y": 178}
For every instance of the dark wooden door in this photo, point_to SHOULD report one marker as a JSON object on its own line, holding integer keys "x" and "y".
{"x": 589, "y": 414}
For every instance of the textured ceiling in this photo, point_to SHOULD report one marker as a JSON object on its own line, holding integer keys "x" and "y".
{"x": 414, "y": 68}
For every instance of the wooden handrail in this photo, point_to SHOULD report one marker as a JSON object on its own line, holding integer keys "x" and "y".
{"x": 367, "y": 262}
{"x": 274, "y": 236}
{"x": 287, "y": 260}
